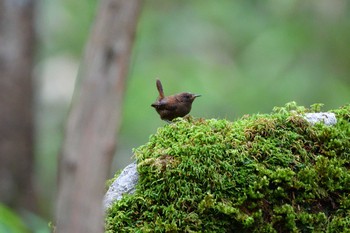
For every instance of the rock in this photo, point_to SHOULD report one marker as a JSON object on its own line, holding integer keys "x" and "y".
{"x": 125, "y": 183}
{"x": 127, "y": 180}
{"x": 328, "y": 118}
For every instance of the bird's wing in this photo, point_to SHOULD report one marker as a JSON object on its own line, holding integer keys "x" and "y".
{"x": 162, "y": 105}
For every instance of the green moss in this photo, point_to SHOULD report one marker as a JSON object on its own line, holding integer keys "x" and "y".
{"x": 261, "y": 173}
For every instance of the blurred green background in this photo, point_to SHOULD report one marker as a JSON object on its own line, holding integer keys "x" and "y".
{"x": 243, "y": 56}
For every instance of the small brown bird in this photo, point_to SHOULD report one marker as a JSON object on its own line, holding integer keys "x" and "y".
{"x": 170, "y": 107}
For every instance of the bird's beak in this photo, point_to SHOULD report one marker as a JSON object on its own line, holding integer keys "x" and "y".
{"x": 197, "y": 96}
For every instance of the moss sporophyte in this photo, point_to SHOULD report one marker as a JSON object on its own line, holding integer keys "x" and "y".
{"x": 261, "y": 173}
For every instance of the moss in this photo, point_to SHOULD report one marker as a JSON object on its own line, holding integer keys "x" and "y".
{"x": 261, "y": 173}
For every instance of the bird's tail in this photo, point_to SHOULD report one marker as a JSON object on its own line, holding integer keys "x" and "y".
{"x": 160, "y": 89}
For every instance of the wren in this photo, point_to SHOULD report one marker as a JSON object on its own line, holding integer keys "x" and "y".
{"x": 170, "y": 107}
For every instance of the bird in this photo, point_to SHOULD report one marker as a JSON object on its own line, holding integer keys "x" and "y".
{"x": 171, "y": 107}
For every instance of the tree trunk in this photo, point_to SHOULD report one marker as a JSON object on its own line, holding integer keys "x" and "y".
{"x": 17, "y": 45}
{"x": 90, "y": 135}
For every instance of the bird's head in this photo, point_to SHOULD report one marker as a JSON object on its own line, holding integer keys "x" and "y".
{"x": 186, "y": 97}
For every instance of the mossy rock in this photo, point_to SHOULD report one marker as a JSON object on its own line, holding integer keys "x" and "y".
{"x": 261, "y": 173}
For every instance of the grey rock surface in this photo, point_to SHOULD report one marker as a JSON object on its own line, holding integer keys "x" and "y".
{"x": 328, "y": 118}
{"x": 127, "y": 180}
{"x": 125, "y": 183}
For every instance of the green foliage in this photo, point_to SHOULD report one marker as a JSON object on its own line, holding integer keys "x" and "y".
{"x": 261, "y": 173}
{"x": 10, "y": 222}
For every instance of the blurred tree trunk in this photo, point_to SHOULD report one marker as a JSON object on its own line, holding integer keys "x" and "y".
{"x": 17, "y": 45}
{"x": 90, "y": 135}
